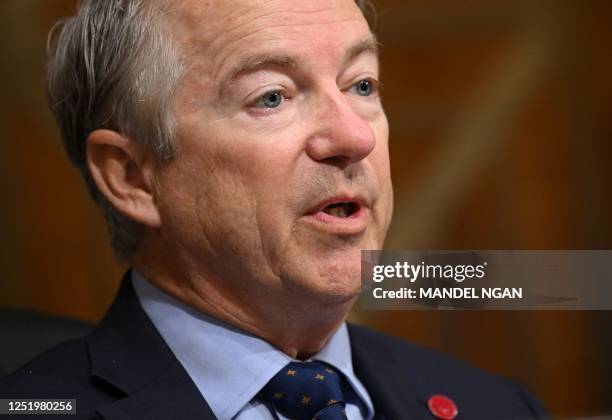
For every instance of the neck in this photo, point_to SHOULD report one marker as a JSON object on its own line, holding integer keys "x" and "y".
{"x": 298, "y": 323}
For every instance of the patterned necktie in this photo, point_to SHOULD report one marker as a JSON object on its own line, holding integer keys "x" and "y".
{"x": 305, "y": 391}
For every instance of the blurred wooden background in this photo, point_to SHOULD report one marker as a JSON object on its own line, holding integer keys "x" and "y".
{"x": 501, "y": 130}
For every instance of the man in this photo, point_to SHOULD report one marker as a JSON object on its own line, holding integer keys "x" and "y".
{"x": 239, "y": 152}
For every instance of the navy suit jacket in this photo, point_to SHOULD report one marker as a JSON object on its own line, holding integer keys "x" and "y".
{"x": 125, "y": 370}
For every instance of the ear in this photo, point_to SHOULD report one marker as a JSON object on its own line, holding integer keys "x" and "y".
{"x": 123, "y": 172}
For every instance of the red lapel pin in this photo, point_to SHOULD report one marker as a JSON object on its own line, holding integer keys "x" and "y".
{"x": 442, "y": 407}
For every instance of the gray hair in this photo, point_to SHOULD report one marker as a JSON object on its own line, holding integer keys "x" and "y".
{"x": 113, "y": 66}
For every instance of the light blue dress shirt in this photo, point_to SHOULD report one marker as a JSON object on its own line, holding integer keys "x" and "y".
{"x": 230, "y": 366}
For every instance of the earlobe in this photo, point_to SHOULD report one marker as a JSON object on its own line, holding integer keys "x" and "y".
{"x": 122, "y": 170}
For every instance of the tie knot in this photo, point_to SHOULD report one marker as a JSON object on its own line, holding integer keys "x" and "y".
{"x": 306, "y": 390}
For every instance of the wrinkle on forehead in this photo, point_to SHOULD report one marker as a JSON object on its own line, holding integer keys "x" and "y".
{"x": 209, "y": 27}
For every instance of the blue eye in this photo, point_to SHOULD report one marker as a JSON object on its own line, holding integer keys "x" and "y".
{"x": 364, "y": 87}
{"x": 271, "y": 99}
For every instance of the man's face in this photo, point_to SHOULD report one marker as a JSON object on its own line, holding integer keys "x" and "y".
{"x": 282, "y": 175}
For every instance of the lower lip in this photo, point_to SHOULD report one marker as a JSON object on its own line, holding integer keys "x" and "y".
{"x": 353, "y": 224}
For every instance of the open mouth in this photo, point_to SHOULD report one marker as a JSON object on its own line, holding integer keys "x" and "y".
{"x": 341, "y": 209}
{"x": 341, "y": 215}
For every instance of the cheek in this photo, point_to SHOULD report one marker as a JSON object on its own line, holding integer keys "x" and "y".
{"x": 202, "y": 195}
{"x": 275, "y": 191}
{"x": 233, "y": 200}
{"x": 381, "y": 166}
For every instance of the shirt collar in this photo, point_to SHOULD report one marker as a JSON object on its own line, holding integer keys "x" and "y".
{"x": 230, "y": 366}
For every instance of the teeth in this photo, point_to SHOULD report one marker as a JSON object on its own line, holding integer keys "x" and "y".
{"x": 340, "y": 211}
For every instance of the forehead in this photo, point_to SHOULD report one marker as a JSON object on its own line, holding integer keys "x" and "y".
{"x": 219, "y": 29}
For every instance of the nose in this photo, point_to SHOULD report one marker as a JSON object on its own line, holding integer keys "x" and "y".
{"x": 342, "y": 137}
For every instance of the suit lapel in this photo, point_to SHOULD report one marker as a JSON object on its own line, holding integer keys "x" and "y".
{"x": 131, "y": 360}
{"x": 394, "y": 395}
{"x": 169, "y": 396}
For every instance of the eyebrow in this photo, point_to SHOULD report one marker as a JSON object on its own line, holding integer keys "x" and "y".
{"x": 368, "y": 45}
{"x": 255, "y": 62}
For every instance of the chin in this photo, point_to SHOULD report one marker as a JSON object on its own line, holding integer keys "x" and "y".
{"x": 330, "y": 280}
{"x": 325, "y": 267}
